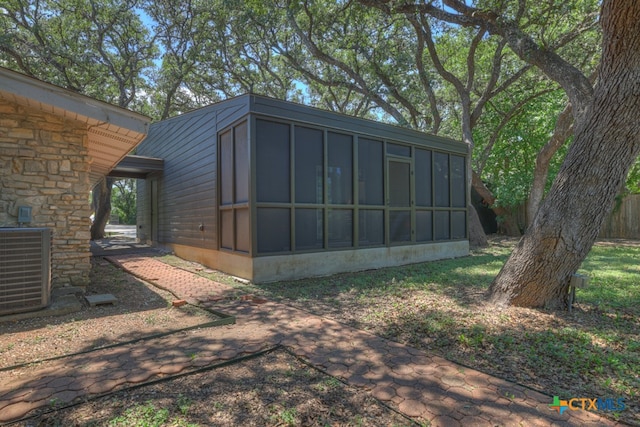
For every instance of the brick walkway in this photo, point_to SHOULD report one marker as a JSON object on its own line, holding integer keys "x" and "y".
{"x": 422, "y": 386}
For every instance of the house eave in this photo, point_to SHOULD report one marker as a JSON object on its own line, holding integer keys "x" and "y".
{"x": 112, "y": 131}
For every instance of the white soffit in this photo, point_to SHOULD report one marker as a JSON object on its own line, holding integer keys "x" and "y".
{"x": 113, "y": 131}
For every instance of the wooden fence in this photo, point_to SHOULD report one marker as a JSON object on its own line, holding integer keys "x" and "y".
{"x": 624, "y": 221}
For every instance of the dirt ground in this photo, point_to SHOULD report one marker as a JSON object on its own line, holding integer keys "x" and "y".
{"x": 274, "y": 389}
{"x": 141, "y": 310}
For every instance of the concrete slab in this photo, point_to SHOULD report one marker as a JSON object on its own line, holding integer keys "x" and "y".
{"x": 100, "y": 299}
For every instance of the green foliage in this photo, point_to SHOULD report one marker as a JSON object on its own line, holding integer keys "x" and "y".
{"x": 284, "y": 416}
{"x": 509, "y": 165}
{"x": 146, "y": 415}
{"x": 98, "y": 47}
{"x": 342, "y": 56}
{"x": 633, "y": 179}
{"x": 123, "y": 200}
{"x": 184, "y": 404}
{"x": 149, "y": 415}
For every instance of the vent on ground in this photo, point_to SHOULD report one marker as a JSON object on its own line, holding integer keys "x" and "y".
{"x": 25, "y": 269}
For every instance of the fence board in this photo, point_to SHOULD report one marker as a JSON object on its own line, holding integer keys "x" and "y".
{"x": 624, "y": 222}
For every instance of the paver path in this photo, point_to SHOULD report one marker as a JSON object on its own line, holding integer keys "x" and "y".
{"x": 422, "y": 386}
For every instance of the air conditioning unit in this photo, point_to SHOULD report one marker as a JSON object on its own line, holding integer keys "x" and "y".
{"x": 25, "y": 269}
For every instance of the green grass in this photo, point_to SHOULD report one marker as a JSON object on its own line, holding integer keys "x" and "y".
{"x": 614, "y": 274}
{"x": 146, "y": 415}
{"x": 285, "y": 416}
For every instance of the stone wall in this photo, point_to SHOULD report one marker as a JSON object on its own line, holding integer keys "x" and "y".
{"x": 44, "y": 164}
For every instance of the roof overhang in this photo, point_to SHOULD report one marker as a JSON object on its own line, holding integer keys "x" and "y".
{"x": 112, "y": 131}
{"x": 137, "y": 167}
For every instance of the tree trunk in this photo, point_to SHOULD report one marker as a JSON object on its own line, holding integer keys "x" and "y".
{"x": 477, "y": 238}
{"x": 102, "y": 204}
{"x": 509, "y": 225}
{"x": 607, "y": 141}
{"x": 562, "y": 131}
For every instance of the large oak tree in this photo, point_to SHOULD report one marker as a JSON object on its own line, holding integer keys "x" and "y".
{"x": 607, "y": 141}
{"x": 605, "y": 146}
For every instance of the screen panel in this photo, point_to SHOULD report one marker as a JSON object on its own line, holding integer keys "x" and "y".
{"x": 226, "y": 168}
{"x": 441, "y": 219}
{"x": 424, "y": 226}
{"x": 399, "y": 226}
{"x": 370, "y": 227}
{"x": 340, "y": 169}
{"x": 243, "y": 237}
{"x": 458, "y": 177}
{"x": 441, "y": 179}
{"x": 340, "y": 228}
{"x": 274, "y": 230}
{"x": 399, "y": 150}
{"x": 458, "y": 225}
{"x": 399, "y": 184}
{"x": 272, "y": 161}
{"x": 423, "y": 177}
{"x": 370, "y": 172}
{"x": 309, "y": 165}
{"x": 241, "y": 170}
{"x": 226, "y": 229}
{"x": 309, "y": 229}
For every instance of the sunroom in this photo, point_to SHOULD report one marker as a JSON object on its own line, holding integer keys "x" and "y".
{"x": 270, "y": 190}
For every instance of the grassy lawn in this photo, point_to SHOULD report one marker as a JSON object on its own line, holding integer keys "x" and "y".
{"x": 439, "y": 306}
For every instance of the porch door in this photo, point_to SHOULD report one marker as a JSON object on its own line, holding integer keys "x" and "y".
{"x": 399, "y": 200}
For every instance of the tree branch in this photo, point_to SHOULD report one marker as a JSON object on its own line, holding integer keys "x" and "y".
{"x": 572, "y": 80}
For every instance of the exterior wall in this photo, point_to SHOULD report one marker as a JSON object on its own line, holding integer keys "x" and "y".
{"x": 186, "y": 191}
{"x": 44, "y": 164}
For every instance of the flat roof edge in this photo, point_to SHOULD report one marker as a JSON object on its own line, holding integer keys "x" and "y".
{"x": 272, "y": 107}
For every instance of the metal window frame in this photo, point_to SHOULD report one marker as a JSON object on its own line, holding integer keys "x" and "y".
{"x": 355, "y": 207}
{"x": 234, "y": 206}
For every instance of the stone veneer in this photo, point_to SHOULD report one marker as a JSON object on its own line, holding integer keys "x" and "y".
{"x": 44, "y": 163}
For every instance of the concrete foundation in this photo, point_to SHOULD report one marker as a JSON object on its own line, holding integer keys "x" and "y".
{"x": 292, "y": 267}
